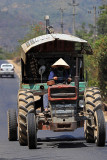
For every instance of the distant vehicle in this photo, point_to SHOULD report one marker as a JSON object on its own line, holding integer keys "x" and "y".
{"x": 7, "y": 70}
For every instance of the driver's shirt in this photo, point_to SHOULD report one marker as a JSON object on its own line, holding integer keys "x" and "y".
{"x": 62, "y": 75}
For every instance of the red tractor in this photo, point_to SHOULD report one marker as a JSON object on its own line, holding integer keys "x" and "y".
{"x": 70, "y": 106}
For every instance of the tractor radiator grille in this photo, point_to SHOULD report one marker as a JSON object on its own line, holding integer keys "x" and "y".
{"x": 63, "y": 110}
{"x": 63, "y": 92}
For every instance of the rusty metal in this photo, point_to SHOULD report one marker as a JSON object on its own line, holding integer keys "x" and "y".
{"x": 59, "y": 87}
{"x": 77, "y": 85}
{"x": 58, "y": 127}
{"x": 77, "y": 66}
{"x": 77, "y": 80}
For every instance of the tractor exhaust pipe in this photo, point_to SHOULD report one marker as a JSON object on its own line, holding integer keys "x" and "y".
{"x": 47, "y": 23}
{"x": 77, "y": 78}
{"x": 77, "y": 85}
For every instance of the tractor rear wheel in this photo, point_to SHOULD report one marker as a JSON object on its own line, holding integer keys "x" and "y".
{"x": 99, "y": 132}
{"x": 25, "y": 106}
{"x": 12, "y": 125}
{"x": 92, "y": 103}
{"x": 88, "y": 130}
{"x": 31, "y": 131}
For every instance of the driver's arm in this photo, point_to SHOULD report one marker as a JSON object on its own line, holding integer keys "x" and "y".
{"x": 51, "y": 75}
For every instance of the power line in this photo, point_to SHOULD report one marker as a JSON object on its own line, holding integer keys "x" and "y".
{"x": 62, "y": 24}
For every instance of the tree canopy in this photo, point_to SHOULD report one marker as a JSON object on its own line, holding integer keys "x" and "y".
{"x": 102, "y": 20}
{"x": 100, "y": 52}
{"x": 96, "y": 65}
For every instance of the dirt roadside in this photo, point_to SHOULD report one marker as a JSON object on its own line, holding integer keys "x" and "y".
{"x": 18, "y": 70}
{"x": 17, "y": 67}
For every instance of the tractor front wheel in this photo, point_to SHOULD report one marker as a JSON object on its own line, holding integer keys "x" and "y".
{"x": 12, "y": 125}
{"x": 25, "y": 106}
{"x": 89, "y": 132}
{"x": 31, "y": 131}
{"x": 99, "y": 131}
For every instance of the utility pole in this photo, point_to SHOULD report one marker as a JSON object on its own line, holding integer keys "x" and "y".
{"x": 95, "y": 20}
{"x": 74, "y": 4}
{"x": 62, "y": 24}
{"x": 95, "y": 32}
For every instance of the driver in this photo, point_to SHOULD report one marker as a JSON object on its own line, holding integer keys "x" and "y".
{"x": 59, "y": 74}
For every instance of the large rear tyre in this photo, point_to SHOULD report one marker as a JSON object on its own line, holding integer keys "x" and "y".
{"x": 25, "y": 106}
{"x": 88, "y": 130}
{"x": 100, "y": 131}
{"x": 92, "y": 103}
{"x": 31, "y": 131}
{"x": 12, "y": 125}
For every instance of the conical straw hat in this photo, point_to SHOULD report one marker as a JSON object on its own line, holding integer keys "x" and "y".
{"x": 61, "y": 63}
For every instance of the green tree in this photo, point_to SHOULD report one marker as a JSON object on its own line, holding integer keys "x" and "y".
{"x": 86, "y": 33}
{"x": 1, "y": 51}
{"x": 96, "y": 65}
{"x": 4, "y": 54}
{"x": 102, "y": 20}
{"x": 100, "y": 54}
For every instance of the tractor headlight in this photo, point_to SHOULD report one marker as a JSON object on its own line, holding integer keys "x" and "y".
{"x": 81, "y": 103}
{"x": 42, "y": 87}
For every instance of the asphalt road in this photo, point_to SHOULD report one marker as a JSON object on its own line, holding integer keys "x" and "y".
{"x": 51, "y": 146}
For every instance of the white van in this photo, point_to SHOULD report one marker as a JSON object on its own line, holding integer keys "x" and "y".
{"x": 7, "y": 69}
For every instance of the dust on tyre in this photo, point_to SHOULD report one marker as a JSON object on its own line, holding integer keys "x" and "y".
{"x": 88, "y": 129}
{"x": 93, "y": 102}
{"x": 89, "y": 132}
{"x": 12, "y": 125}
{"x": 31, "y": 131}
{"x": 25, "y": 106}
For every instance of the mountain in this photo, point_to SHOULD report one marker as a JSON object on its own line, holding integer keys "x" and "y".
{"x": 17, "y": 15}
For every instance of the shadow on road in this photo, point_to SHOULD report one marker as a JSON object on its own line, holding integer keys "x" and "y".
{"x": 63, "y": 141}
{"x": 64, "y": 145}
{"x": 60, "y": 138}
{"x": 70, "y": 145}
